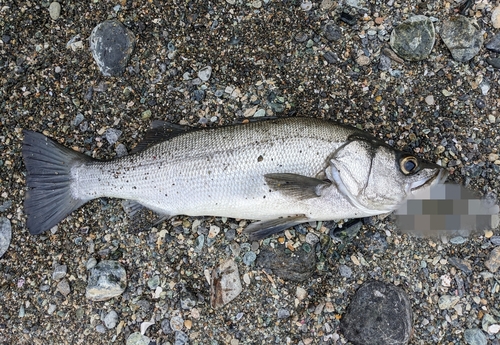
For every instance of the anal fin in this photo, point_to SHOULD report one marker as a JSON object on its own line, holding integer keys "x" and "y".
{"x": 266, "y": 228}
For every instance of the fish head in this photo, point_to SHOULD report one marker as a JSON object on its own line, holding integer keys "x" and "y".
{"x": 377, "y": 178}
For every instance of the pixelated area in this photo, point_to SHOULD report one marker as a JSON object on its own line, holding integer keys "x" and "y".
{"x": 447, "y": 207}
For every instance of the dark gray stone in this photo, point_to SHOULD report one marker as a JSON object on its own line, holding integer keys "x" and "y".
{"x": 462, "y": 37}
{"x": 461, "y": 264}
{"x": 379, "y": 314}
{"x": 494, "y": 43}
{"x": 111, "y": 44}
{"x": 332, "y": 32}
{"x": 413, "y": 39}
{"x": 295, "y": 266}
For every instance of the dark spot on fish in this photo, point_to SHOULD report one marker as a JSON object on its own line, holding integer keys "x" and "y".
{"x": 260, "y": 158}
{"x": 264, "y": 197}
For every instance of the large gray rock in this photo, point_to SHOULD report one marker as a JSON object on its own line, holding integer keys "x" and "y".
{"x": 413, "y": 39}
{"x": 462, "y": 37}
{"x": 107, "y": 279}
{"x": 111, "y": 44}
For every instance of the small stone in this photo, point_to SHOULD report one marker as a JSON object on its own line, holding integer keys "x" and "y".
{"x": 54, "y": 10}
{"x": 495, "y": 240}
{"x": 331, "y": 57}
{"x": 112, "y": 135}
{"x": 492, "y": 157}
{"x": 447, "y": 301}
{"x": 181, "y": 338}
{"x": 259, "y": 113}
{"x": 461, "y": 264}
{"x": 462, "y": 37}
{"x": 59, "y": 272}
{"x": 495, "y": 17}
{"x": 429, "y": 100}
{"x": 300, "y": 293}
{"x": 332, "y": 32}
{"x": 111, "y": 44}
{"x": 493, "y": 262}
{"x": 379, "y": 313}
{"x": 458, "y": 240}
{"x": 283, "y": 314}
{"x": 414, "y": 38}
{"x": 5, "y": 235}
{"x": 306, "y": 5}
{"x": 137, "y": 338}
{"x": 111, "y": 319}
{"x": 63, "y": 287}
{"x": 249, "y": 258}
{"x": 475, "y": 336}
{"x": 225, "y": 284}
{"x": 345, "y": 271}
{"x": 107, "y": 279}
{"x": 494, "y": 43}
{"x": 52, "y": 308}
{"x": 176, "y": 323}
{"x": 205, "y": 73}
{"x": 326, "y": 4}
{"x": 363, "y": 60}
{"x": 100, "y": 329}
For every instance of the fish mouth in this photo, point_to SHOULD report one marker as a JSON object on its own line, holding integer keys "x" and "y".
{"x": 439, "y": 177}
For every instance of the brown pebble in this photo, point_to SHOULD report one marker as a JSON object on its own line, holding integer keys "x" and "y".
{"x": 493, "y": 262}
{"x": 379, "y": 20}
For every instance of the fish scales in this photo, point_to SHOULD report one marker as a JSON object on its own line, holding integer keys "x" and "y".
{"x": 217, "y": 171}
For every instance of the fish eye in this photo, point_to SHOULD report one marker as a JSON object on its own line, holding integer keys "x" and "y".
{"x": 408, "y": 165}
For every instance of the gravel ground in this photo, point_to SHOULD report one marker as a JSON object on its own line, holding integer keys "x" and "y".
{"x": 280, "y": 58}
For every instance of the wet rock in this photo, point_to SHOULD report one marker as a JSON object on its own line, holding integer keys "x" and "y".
{"x": 462, "y": 38}
{"x": 413, "y": 39}
{"x": 295, "y": 266}
{"x": 379, "y": 314}
{"x": 111, "y": 44}
{"x": 107, "y": 280}
{"x": 225, "y": 284}
{"x": 5, "y": 235}
{"x": 493, "y": 262}
{"x": 332, "y": 32}
{"x": 54, "y": 10}
{"x": 475, "y": 336}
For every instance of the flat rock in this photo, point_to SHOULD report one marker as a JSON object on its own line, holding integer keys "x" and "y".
{"x": 475, "y": 336}
{"x": 295, "y": 266}
{"x": 379, "y": 314}
{"x": 107, "y": 279}
{"x": 111, "y": 44}
{"x": 493, "y": 262}
{"x": 462, "y": 37}
{"x": 413, "y": 39}
{"x": 5, "y": 235}
{"x": 225, "y": 284}
{"x": 494, "y": 43}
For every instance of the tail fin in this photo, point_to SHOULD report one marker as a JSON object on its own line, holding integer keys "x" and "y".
{"x": 48, "y": 199}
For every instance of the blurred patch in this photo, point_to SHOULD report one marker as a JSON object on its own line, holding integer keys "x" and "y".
{"x": 447, "y": 208}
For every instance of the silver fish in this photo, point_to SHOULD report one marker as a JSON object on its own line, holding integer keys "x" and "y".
{"x": 280, "y": 172}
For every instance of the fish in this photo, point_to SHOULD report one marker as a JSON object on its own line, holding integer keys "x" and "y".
{"x": 279, "y": 173}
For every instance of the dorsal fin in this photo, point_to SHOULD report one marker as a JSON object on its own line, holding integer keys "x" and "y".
{"x": 160, "y": 131}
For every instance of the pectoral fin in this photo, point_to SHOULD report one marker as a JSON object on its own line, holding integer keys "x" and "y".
{"x": 297, "y": 186}
{"x": 266, "y": 228}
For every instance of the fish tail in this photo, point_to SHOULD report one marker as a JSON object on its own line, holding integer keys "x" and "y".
{"x": 49, "y": 198}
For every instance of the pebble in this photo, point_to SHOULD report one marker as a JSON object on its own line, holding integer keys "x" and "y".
{"x": 181, "y": 338}
{"x": 205, "y": 73}
{"x": 283, "y": 313}
{"x": 306, "y": 5}
{"x": 363, "y": 60}
{"x": 121, "y": 150}
{"x": 59, "y": 272}
{"x": 107, "y": 279}
{"x": 495, "y": 17}
{"x": 311, "y": 238}
{"x": 52, "y": 308}
{"x": 447, "y": 301}
{"x": 111, "y": 44}
{"x": 463, "y": 265}
{"x": 332, "y": 32}
{"x": 413, "y": 39}
{"x": 137, "y": 338}
{"x": 458, "y": 240}
{"x": 110, "y": 320}
{"x": 5, "y": 235}
{"x": 300, "y": 293}
{"x": 63, "y": 287}
{"x": 260, "y": 113}
{"x": 378, "y": 312}
{"x": 493, "y": 262}
{"x": 495, "y": 240}
{"x": 100, "y": 329}
{"x": 345, "y": 271}
{"x": 475, "y": 336}
{"x": 112, "y": 135}
{"x": 249, "y": 258}
{"x": 176, "y": 323}
{"x": 462, "y": 37}
{"x": 430, "y": 100}
{"x": 54, "y": 10}
{"x": 225, "y": 284}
